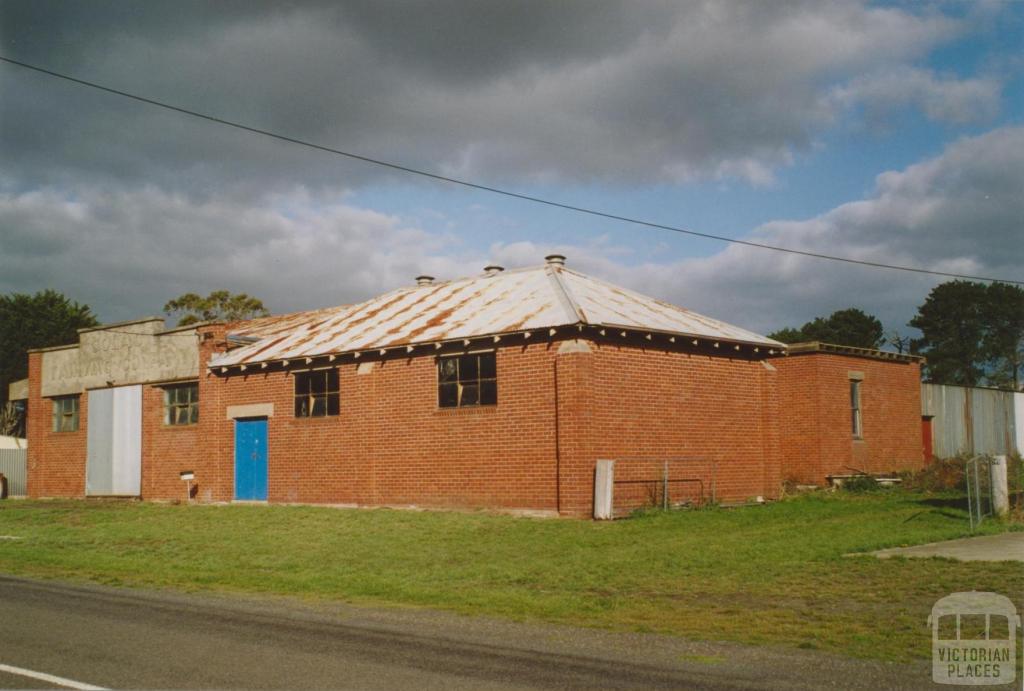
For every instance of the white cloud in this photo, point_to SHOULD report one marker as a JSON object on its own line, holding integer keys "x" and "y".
{"x": 960, "y": 212}
{"x": 614, "y": 92}
{"x": 126, "y": 253}
{"x": 943, "y": 98}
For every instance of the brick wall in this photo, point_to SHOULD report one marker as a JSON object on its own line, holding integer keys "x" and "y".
{"x": 815, "y": 421}
{"x": 56, "y": 460}
{"x": 392, "y": 444}
{"x": 557, "y": 414}
{"x": 562, "y": 405}
{"x": 711, "y": 416}
{"x": 166, "y": 450}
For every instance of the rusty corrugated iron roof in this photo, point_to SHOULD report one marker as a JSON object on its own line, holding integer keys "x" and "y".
{"x": 261, "y": 327}
{"x": 495, "y": 303}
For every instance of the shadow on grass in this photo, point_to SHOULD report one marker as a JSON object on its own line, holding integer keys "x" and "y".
{"x": 945, "y": 502}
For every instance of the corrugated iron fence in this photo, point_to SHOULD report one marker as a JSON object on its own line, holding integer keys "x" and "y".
{"x": 14, "y": 466}
{"x": 973, "y": 421}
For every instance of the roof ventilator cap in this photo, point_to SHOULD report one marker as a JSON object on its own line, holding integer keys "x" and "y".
{"x": 492, "y": 269}
{"x": 424, "y": 280}
{"x": 555, "y": 260}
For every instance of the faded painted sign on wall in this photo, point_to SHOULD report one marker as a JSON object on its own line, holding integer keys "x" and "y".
{"x": 121, "y": 354}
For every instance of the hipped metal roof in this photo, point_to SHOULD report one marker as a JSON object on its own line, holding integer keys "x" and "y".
{"x": 253, "y": 330}
{"x": 496, "y": 303}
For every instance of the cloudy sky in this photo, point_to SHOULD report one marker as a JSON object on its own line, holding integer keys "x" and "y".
{"x": 881, "y": 131}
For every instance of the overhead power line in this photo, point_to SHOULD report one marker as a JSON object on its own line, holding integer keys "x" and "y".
{"x": 488, "y": 188}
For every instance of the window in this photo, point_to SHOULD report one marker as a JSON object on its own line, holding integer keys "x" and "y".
{"x": 855, "y": 409}
{"x": 316, "y": 393}
{"x": 467, "y": 380}
{"x": 181, "y": 404}
{"x": 65, "y": 414}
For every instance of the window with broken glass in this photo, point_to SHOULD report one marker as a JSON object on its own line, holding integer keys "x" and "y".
{"x": 181, "y": 404}
{"x": 316, "y": 393}
{"x": 65, "y": 414}
{"x": 467, "y": 380}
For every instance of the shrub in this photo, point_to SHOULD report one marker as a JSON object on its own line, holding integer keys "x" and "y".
{"x": 861, "y": 483}
{"x": 942, "y": 475}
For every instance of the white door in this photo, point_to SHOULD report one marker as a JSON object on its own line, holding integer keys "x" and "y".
{"x": 114, "y": 434}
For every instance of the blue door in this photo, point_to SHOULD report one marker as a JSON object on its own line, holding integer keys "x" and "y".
{"x": 251, "y": 459}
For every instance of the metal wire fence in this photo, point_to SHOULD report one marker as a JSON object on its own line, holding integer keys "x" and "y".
{"x": 674, "y": 482}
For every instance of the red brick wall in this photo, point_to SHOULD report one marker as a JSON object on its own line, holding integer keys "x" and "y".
{"x": 817, "y": 435}
{"x": 166, "y": 450}
{"x": 575, "y": 420}
{"x": 711, "y": 416}
{"x": 56, "y": 460}
{"x": 391, "y": 444}
{"x": 800, "y": 423}
{"x": 536, "y": 449}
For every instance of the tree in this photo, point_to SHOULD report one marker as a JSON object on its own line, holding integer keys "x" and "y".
{"x": 12, "y": 419}
{"x": 1004, "y": 339}
{"x": 972, "y": 333}
{"x": 220, "y": 305}
{"x": 898, "y": 341}
{"x": 789, "y": 335}
{"x": 849, "y": 327}
{"x": 45, "y": 319}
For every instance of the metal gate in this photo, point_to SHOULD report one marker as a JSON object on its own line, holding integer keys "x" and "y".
{"x": 114, "y": 442}
{"x": 978, "y": 478}
{"x": 635, "y": 483}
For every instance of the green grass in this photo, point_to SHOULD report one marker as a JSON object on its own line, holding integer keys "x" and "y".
{"x": 770, "y": 574}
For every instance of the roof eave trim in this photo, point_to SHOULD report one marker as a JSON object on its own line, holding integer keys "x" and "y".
{"x": 855, "y": 351}
{"x": 767, "y": 343}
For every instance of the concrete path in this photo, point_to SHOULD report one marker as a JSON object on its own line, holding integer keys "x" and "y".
{"x": 94, "y": 636}
{"x": 1005, "y": 547}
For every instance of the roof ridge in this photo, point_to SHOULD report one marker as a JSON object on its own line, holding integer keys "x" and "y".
{"x": 565, "y": 296}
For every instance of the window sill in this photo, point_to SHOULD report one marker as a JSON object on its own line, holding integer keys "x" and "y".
{"x": 468, "y": 410}
{"x": 191, "y": 425}
{"x": 320, "y": 419}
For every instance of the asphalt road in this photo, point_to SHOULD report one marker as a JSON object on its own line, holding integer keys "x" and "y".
{"x": 119, "y": 638}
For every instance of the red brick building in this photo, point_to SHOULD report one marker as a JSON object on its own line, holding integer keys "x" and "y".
{"x": 848, "y": 411}
{"x": 500, "y": 391}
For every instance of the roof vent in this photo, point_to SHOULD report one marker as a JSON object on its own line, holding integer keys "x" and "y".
{"x": 555, "y": 260}
{"x": 492, "y": 269}
{"x": 424, "y": 280}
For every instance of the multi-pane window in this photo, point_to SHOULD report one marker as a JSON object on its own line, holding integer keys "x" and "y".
{"x": 316, "y": 393}
{"x": 181, "y": 404}
{"x": 855, "y": 420}
{"x": 467, "y": 380}
{"x": 65, "y": 414}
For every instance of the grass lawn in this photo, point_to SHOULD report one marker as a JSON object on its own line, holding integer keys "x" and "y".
{"x": 768, "y": 574}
